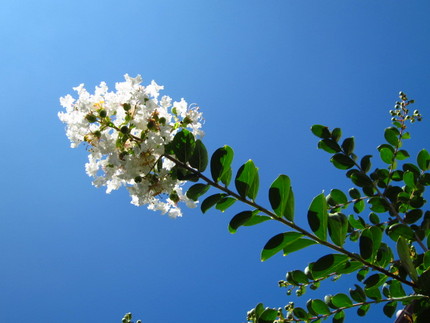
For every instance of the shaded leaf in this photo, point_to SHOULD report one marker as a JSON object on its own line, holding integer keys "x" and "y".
{"x": 402, "y": 154}
{"x": 320, "y": 131}
{"x": 327, "y": 264}
{"x": 423, "y": 160}
{"x": 297, "y": 245}
{"x": 245, "y": 218}
{"x": 348, "y": 145}
{"x": 183, "y": 145}
{"x": 406, "y": 258}
{"x": 224, "y": 203}
{"x": 342, "y": 161}
{"x": 357, "y": 294}
{"x": 329, "y": 146}
{"x": 247, "y": 180}
{"x": 195, "y": 191}
{"x": 392, "y": 134}
{"x": 390, "y": 308}
{"x": 210, "y": 201}
{"x": 199, "y": 157}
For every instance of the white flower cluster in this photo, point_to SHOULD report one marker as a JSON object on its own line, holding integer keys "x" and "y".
{"x": 127, "y": 132}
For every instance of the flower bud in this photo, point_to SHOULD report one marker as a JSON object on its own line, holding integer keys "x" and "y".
{"x": 124, "y": 130}
{"x": 91, "y": 118}
{"x": 103, "y": 113}
{"x": 126, "y": 106}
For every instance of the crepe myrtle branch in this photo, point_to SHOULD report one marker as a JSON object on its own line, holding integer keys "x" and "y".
{"x": 290, "y": 224}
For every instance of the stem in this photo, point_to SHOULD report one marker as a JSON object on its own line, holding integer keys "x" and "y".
{"x": 290, "y": 224}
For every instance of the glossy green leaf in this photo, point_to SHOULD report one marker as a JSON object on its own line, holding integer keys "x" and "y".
{"x": 278, "y": 243}
{"x": 390, "y": 308}
{"x": 365, "y": 163}
{"x": 409, "y": 179}
{"x": 327, "y": 264}
{"x": 349, "y": 267}
{"x": 329, "y": 146}
{"x": 406, "y": 258}
{"x": 320, "y": 131}
{"x": 392, "y": 134}
{"x": 396, "y": 289}
{"x": 374, "y": 218}
{"x": 199, "y": 157}
{"x": 336, "y": 134}
{"x": 281, "y": 197}
{"x": 197, "y": 190}
{"x": 318, "y": 217}
{"x": 247, "y": 180}
{"x": 361, "y": 274}
{"x": 423, "y": 160}
{"x": 221, "y": 164}
{"x": 357, "y": 294}
{"x": 245, "y": 218}
{"x": 339, "y": 317}
{"x": 426, "y": 259}
{"x": 268, "y": 316}
{"x": 402, "y": 154}
{"x": 384, "y": 255}
{"x": 298, "y": 277}
{"x": 373, "y": 293}
{"x": 337, "y": 197}
{"x": 337, "y": 228}
{"x": 342, "y": 161}
{"x": 358, "y": 223}
{"x": 366, "y": 244}
{"x": 341, "y": 300}
{"x": 359, "y": 206}
{"x": 298, "y": 245}
{"x": 400, "y": 230}
{"x": 210, "y": 201}
{"x": 348, "y": 145}
{"x": 362, "y": 310}
{"x": 183, "y": 145}
{"x": 317, "y": 307}
{"x": 300, "y": 313}
{"x": 354, "y": 193}
{"x": 378, "y": 204}
{"x": 386, "y": 155}
{"x": 224, "y": 203}
{"x": 375, "y": 280}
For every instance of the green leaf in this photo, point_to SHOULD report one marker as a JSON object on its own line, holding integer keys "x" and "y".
{"x": 297, "y": 277}
{"x": 336, "y": 134}
{"x": 354, "y": 193}
{"x": 356, "y": 223}
{"x": 337, "y": 228}
{"x": 224, "y": 203}
{"x": 390, "y": 308}
{"x": 341, "y": 300}
{"x": 183, "y": 145}
{"x": 426, "y": 259}
{"x": 342, "y": 161}
{"x": 320, "y": 131}
{"x": 365, "y": 163}
{"x": 245, "y": 218}
{"x": 396, "y": 289}
{"x": 339, "y": 317}
{"x": 392, "y": 134}
{"x": 400, "y": 230}
{"x": 318, "y": 217}
{"x": 268, "y": 315}
{"x": 362, "y": 310}
{"x": 359, "y": 206}
{"x": 317, "y": 307}
{"x": 210, "y": 201}
{"x": 349, "y": 267}
{"x": 247, "y": 180}
{"x": 386, "y": 155}
{"x": 327, "y": 265}
{"x": 384, "y": 255}
{"x": 278, "y": 243}
{"x": 337, "y": 197}
{"x": 329, "y": 146}
{"x": 423, "y": 160}
{"x": 348, "y": 145}
{"x": 409, "y": 179}
{"x": 281, "y": 197}
{"x": 402, "y": 154}
{"x": 375, "y": 280}
{"x": 366, "y": 244}
{"x": 197, "y": 190}
{"x": 406, "y": 258}
{"x": 297, "y": 245}
{"x": 378, "y": 204}
{"x": 221, "y": 164}
{"x": 413, "y": 216}
{"x": 300, "y": 313}
{"x": 199, "y": 157}
{"x": 373, "y": 293}
{"x": 357, "y": 294}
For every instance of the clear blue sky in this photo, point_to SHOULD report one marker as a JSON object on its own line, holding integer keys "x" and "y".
{"x": 262, "y": 72}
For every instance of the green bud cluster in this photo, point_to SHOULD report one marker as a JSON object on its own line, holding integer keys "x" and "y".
{"x": 400, "y": 112}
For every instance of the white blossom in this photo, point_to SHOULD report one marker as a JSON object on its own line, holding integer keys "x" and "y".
{"x": 127, "y": 131}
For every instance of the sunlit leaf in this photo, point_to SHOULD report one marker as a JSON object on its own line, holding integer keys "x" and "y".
{"x": 406, "y": 258}
{"x": 339, "y": 317}
{"x": 278, "y": 243}
{"x": 327, "y": 264}
{"x": 337, "y": 228}
{"x": 318, "y": 217}
{"x": 297, "y": 245}
{"x": 245, "y": 218}
{"x": 183, "y": 145}
{"x": 281, "y": 197}
{"x": 224, "y": 203}
{"x": 318, "y": 307}
{"x": 386, "y": 155}
{"x": 357, "y": 294}
{"x": 221, "y": 163}
{"x": 268, "y": 316}
{"x": 210, "y": 201}
{"x": 341, "y": 300}
{"x": 423, "y": 160}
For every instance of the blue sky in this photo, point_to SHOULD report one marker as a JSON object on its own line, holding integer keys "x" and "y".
{"x": 262, "y": 72}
